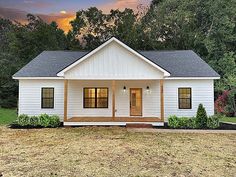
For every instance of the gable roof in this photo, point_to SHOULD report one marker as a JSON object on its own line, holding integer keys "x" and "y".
{"x": 113, "y": 39}
{"x": 180, "y": 63}
{"x": 177, "y": 63}
{"x": 49, "y": 63}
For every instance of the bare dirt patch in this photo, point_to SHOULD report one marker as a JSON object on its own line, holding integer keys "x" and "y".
{"x": 101, "y": 151}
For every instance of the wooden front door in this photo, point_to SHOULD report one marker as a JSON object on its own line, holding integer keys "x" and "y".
{"x": 135, "y": 102}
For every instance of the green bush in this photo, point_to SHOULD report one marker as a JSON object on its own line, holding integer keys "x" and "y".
{"x": 54, "y": 121}
{"x": 173, "y": 121}
{"x": 181, "y": 122}
{"x": 34, "y": 121}
{"x": 43, "y": 120}
{"x": 49, "y": 121}
{"x": 192, "y": 123}
{"x": 213, "y": 121}
{"x": 23, "y": 120}
{"x": 201, "y": 117}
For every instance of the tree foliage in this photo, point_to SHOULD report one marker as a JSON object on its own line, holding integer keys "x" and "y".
{"x": 20, "y": 44}
{"x": 207, "y": 27}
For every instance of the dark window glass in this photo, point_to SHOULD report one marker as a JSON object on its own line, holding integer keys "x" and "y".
{"x": 47, "y": 98}
{"x": 95, "y": 97}
{"x": 185, "y": 97}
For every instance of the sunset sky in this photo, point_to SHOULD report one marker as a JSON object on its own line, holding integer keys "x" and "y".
{"x": 61, "y": 11}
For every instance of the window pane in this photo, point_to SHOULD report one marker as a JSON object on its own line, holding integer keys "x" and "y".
{"x": 102, "y": 102}
{"x": 47, "y": 92}
{"x": 95, "y": 97}
{"x": 89, "y": 102}
{"x": 185, "y": 98}
{"x": 89, "y": 92}
{"x": 47, "y": 103}
{"x": 102, "y": 92}
{"x": 47, "y": 97}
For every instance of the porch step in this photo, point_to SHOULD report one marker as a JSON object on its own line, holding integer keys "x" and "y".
{"x": 139, "y": 125}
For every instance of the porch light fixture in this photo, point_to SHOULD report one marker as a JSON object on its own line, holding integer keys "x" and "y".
{"x": 147, "y": 88}
{"x": 124, "y": 88}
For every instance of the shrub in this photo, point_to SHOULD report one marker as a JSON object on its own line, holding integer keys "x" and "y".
{"x": 213, "y": 121}
{"x": 181, "y": 122}
{"x": 49, "y": 121}
{"x": 34, "y": 121}
{"x": 173, "y": 122}
{"x": 23, "y": 120}
{"x": 201, "y": 117}
{"x": 54, "y": 121}
{"x": 225, "y": 103}
{"x": 192, "y": 123}
{"x": 44, "y": 120}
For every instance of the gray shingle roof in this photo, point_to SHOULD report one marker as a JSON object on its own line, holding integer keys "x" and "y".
{"x": 180, "y": 63}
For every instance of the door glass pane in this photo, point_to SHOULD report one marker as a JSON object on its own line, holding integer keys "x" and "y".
{"x": 133, "y": 99}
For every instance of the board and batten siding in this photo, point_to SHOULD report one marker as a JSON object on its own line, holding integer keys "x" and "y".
{"x": 30, "y": 97}
{"x": 113, "y": 62}
{"x": 202, "y": 92}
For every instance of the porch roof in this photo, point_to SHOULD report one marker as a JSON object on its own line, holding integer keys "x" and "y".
{"x": 179, "y": 63}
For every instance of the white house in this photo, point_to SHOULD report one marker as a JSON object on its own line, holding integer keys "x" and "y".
{"x": 115, "y": 85}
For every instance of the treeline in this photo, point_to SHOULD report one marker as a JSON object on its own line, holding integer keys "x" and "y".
{"x": 207, "y": 27}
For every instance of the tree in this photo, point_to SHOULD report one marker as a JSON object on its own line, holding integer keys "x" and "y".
{"x": 201, "y": 117}
{"x": 92, "y": 27}
{"x": 21, "y": 43}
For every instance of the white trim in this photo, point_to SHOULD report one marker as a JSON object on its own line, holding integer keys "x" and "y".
{"x": 76, "y": 78}
{"x": 182, "y": 78}
{"x": 61, "y": 73}
{"x": 37, "y": 78}
{"x": 110, "y": 123}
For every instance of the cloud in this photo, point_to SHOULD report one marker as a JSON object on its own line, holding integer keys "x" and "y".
{"x": 21, "y": 16}
{"x": 63, "y": 12}
{"x": 33, "y": 4}
{"x": 122, "y": 4}
{"x": 13, "y": 14}
{"x": 63, "y": 18}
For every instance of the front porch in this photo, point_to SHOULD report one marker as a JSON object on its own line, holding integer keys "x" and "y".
{"x": 119, "y": 103}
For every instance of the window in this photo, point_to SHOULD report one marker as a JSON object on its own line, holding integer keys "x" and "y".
{"x": 95, "y": 97}
{"x": 185, "y": 101}
{"x": 47, "y": 96}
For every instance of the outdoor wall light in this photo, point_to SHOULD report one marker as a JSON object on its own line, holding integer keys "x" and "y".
{"x": 148, "y": 89}
{"x": 124, "y": 88}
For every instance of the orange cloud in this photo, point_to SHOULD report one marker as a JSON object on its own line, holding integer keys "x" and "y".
{"x": 63, "y": 20}
{"x": 122, "y": 4}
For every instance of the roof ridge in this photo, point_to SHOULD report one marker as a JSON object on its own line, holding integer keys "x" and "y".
{"x": 66, "y": 51}
{"x": 165, "y": 50}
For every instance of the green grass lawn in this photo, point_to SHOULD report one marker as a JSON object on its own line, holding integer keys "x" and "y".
{"x": 7, "y": 116}
{"x": 228, "y": 119}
